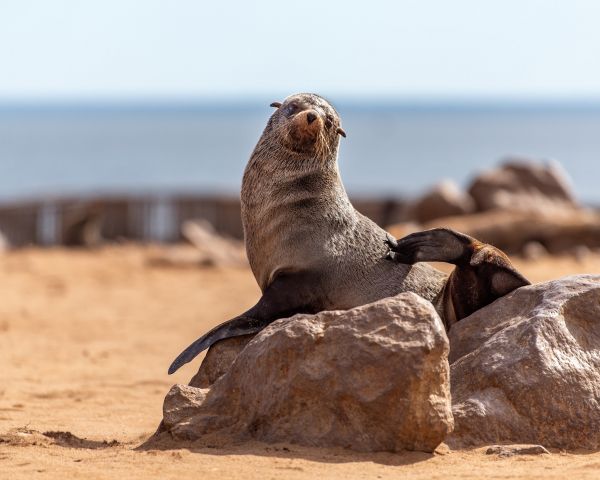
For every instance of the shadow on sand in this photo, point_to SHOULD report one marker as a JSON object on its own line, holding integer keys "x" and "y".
{"x": 220, "y": 447}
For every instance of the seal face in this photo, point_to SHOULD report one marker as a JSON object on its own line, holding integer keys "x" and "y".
{"x": 310, "y": 250}
{"x": 307, "y": 124}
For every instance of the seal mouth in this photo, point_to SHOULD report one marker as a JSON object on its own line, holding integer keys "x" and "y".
{"x": 305, "y": 132}
{"x": 300, "y": 142}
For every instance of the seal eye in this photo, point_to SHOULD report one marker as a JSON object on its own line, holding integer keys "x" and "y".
{"x": 328, "y": 122}
{"x": 292, "y": 108}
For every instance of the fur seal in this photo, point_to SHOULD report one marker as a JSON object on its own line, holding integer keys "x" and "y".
{"x": 310, "y": 250}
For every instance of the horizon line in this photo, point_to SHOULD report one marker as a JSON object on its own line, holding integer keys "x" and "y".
{"x": 258, "y": 102}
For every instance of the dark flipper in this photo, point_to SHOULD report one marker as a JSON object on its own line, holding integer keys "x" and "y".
{"x": 287, "y": 295}
{"x": 483, "y": 273}
{"x": 241, "y": 325}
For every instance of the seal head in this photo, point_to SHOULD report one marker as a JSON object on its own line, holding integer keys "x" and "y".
{"x": 305, "y": 124}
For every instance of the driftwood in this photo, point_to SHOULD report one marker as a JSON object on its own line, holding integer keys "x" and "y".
{"x": 211, "y": 249}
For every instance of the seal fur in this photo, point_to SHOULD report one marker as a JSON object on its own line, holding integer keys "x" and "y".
{"x": 310, "y": 250}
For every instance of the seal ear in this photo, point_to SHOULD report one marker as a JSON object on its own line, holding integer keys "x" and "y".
{"x": 341, "y": 132}
{"x": 276, "y": 104}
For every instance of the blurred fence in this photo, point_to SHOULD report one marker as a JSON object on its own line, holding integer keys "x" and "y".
{"x": 144, "y": 218}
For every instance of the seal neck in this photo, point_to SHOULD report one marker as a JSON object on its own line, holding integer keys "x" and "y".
{"x": 284, "y": 173}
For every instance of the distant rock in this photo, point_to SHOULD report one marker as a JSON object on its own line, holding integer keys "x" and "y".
{"x": 213, "y": 248}
{"x": 4, "y": 244}
{"x": 523, "y": 185}
{"x": 374, "y": 378}
{"x": 82, "y": 225}
{"x": 512, "y": 450}
{"x": 209, "y": 249}
{"x": 526, "y": 369}
{"x": 444, "y": 200}
{"x": 533, "y": 250}
{"x": 522, "y": 207}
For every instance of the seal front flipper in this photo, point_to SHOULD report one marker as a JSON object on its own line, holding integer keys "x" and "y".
{"x": 435, "y": 245}
{"x": 483, "y": 273}
{"x": 288, "y": 294}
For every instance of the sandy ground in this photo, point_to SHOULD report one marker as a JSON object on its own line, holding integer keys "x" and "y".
{"x": 85, "y": 341}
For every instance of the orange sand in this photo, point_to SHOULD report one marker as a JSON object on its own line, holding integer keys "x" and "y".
{"x": 85, "y": 341}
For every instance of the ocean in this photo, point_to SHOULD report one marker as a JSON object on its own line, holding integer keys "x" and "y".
{"x": 396, "y": 150}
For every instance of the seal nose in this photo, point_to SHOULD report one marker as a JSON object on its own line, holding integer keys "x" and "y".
{"x": 310, "y": 117}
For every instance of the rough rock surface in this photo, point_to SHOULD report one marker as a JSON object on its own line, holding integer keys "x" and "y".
{"x": 526, "y": 369}
{"x": 218, "y": 360}
{"x": 374, "y": 378}
{"x": 523, "y": 185}
{"x": 443, "y": 200}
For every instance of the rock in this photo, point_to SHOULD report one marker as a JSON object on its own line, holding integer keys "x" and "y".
{"x": 374, "y": 378}
{"x": 213, "y": 248}
{"x": 443, "y": 200}
{"x": 82, "y": 225}
{"x": 534, "y": 250}
{"x": 218, "y": 360}
{"x": 512, "y": 450}
{"x": 526, "y": 369}
{"x": 523, "y": 185}
{"x": 206, "y": 248}
{"x": 4, "y": 244}
{"x": 581, "y": 252}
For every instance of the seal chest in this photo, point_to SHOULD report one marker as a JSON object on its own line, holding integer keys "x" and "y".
{"x": 297, "y": 215}
{"x": 295, "y": 210}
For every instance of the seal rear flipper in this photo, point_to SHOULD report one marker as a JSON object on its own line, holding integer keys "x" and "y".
{"x": 483, "y": 273}
{"x": 288, "y": 294}
{"x": 237, "y": 326}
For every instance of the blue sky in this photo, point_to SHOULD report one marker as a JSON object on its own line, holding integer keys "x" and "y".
{"x": 222, "y": 49}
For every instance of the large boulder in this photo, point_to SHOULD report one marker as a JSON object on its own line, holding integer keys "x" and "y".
{"x": 443, "y": 200}
{"x": 374, "y": 378}
{"x": 523, "y": 185}
{"x": 526, "y": 369}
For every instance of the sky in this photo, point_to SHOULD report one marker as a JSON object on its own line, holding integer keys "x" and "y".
{"x": 431, "y": 49}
